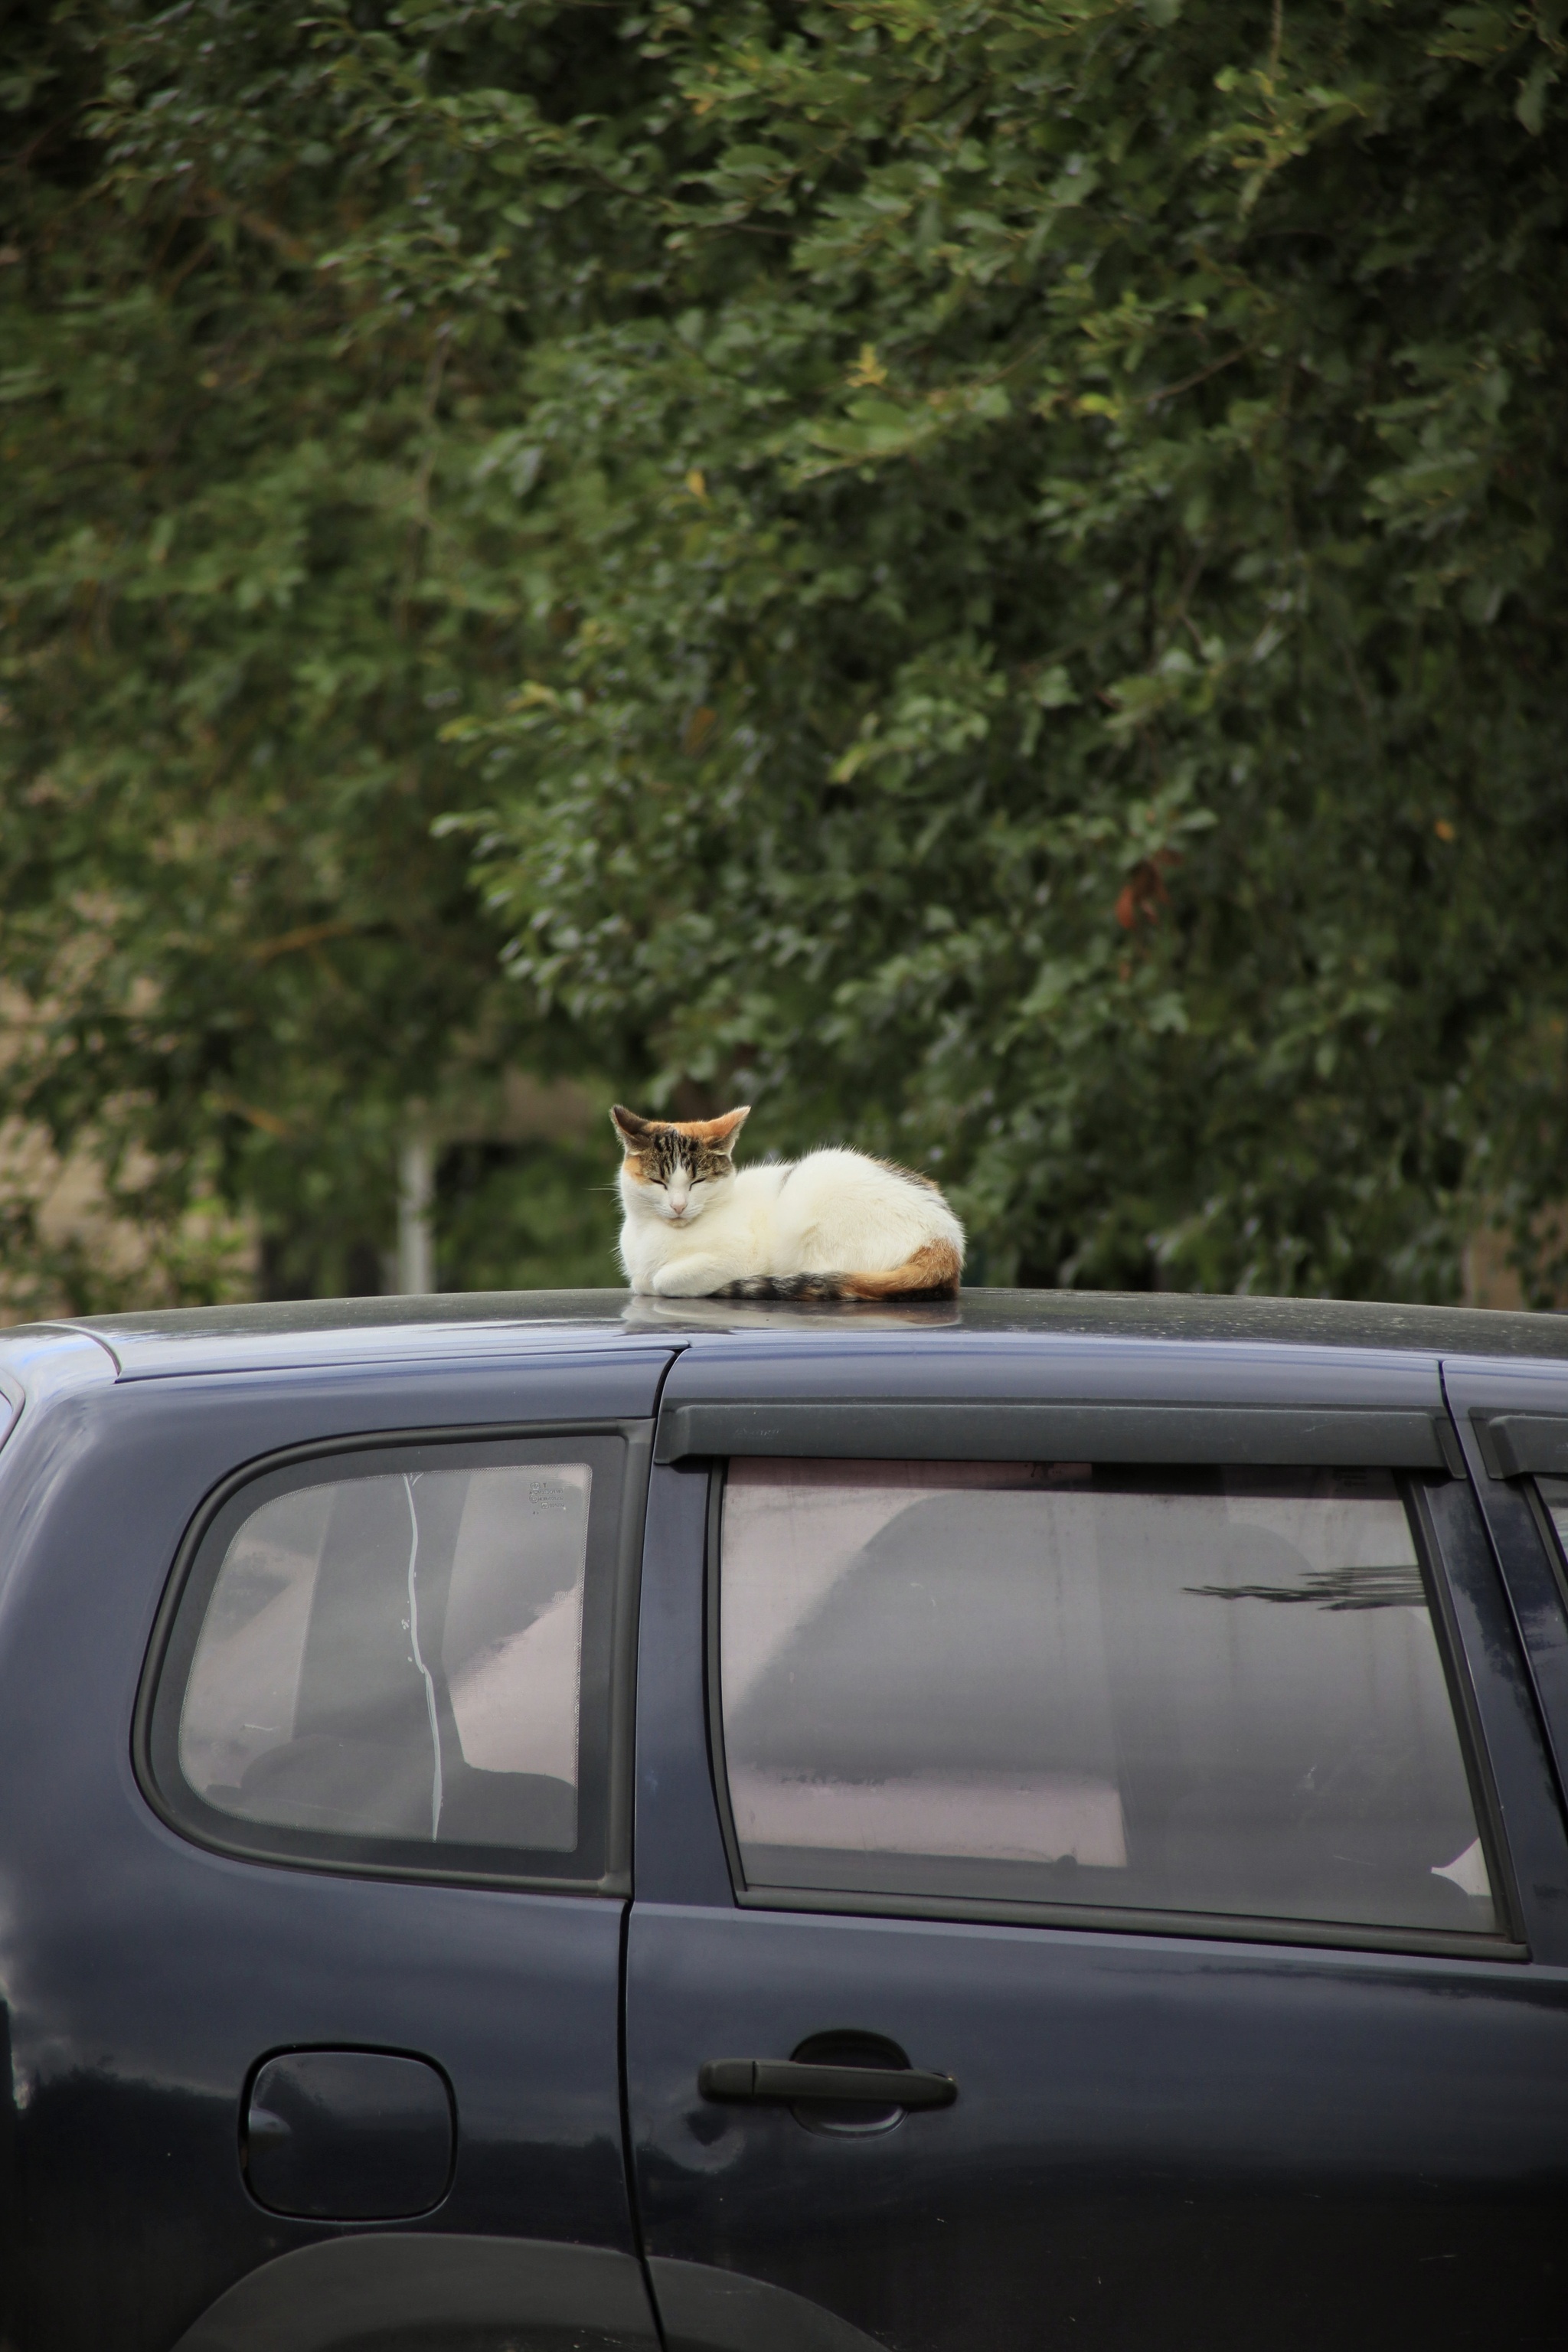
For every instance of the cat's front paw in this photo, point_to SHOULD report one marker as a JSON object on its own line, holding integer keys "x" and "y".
{"x": 690, "y": 1277}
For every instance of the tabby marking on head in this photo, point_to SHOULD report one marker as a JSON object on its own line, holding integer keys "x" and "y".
{"x": 655, "y": 1148}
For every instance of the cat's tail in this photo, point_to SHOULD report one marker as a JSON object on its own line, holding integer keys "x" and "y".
{"x": 931, "y": 1273}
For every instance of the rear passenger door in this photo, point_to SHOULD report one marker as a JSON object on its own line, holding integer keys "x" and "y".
{"x": 1153, "y": 1787}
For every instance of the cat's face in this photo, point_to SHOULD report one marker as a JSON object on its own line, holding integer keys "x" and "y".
{"x": 673, "y": 1170}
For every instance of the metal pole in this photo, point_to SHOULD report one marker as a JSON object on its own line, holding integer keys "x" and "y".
{"x": 416, "y": 1237}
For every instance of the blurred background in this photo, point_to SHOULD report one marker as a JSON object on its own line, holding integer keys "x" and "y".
{"x": 988, "y": 579}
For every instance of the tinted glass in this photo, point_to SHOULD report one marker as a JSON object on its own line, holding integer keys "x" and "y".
{"x": 1554, "y": 1495}
{"x": 1219, "y": 1692}
{"x": 399, "y": 1656}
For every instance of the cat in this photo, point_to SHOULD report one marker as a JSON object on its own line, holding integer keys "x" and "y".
{"x": 837, "y": 1224}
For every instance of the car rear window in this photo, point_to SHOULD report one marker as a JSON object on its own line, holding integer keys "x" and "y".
{"x": 1216, "y": 1693}
{"x": 402, "y": 1655}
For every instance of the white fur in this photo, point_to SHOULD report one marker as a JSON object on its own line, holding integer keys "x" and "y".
{"x": 834, "y": 1212}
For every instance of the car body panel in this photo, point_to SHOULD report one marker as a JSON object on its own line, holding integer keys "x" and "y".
{"x": 1169, "y": 2138}
{"x": 428, "y": 2292}
{"x": 1155, "y": 2141}
{"x": 144, "y": 1977}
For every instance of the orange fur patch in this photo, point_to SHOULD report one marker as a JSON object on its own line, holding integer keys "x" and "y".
{"x": 935, "y": 1267}
{"x": 711, "y": 1130}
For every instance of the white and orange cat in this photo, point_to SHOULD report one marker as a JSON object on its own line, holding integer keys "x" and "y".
{"x": 837, "y": 1224}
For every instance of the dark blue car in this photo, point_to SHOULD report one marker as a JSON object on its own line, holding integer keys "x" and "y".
{"x": 556, "y": 1822}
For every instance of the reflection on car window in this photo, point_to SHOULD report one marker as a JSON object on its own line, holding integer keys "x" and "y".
{"x": 1220, "y": 1693}
{"x": 399, "y": 1656}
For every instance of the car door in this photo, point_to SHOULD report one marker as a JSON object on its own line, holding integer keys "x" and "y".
{"x": 315, "y": 1699}
{"x": 1127, "y": 1750}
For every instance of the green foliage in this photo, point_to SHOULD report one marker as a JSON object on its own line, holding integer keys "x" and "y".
{"x": 989, "y": 574}
{"x": 254, "y": 557}
{"x": 534, "y": 1216}
{"x": 1066, "y": 587}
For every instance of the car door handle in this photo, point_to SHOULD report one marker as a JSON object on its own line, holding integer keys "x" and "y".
{"x": 786, "y": 2082}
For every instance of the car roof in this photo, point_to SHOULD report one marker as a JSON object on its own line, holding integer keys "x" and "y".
{"x": 304, "y": 1332}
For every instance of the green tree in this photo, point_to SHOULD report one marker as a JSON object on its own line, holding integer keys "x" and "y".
{"x": 990, "y": 574}
{"x": 1066, "y": 589}
{"x": 257, "y": 354}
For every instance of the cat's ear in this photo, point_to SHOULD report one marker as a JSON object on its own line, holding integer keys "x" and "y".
{"x": 633, "y": 1131}
{"x": 721, "y": 1131}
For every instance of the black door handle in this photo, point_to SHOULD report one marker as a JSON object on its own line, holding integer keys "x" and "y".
{"x": 787, "y": 2083}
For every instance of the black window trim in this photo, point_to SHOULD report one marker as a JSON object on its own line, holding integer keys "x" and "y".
{"x": 1507, "y": 1943}
{"x": 181, "y": 1811}
{"x": 1484, "y": 1793}
{"x": 1516, "y": 1445}
{"x": 1293, "y": 1436}
{"x": 1552, "y": 1542}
